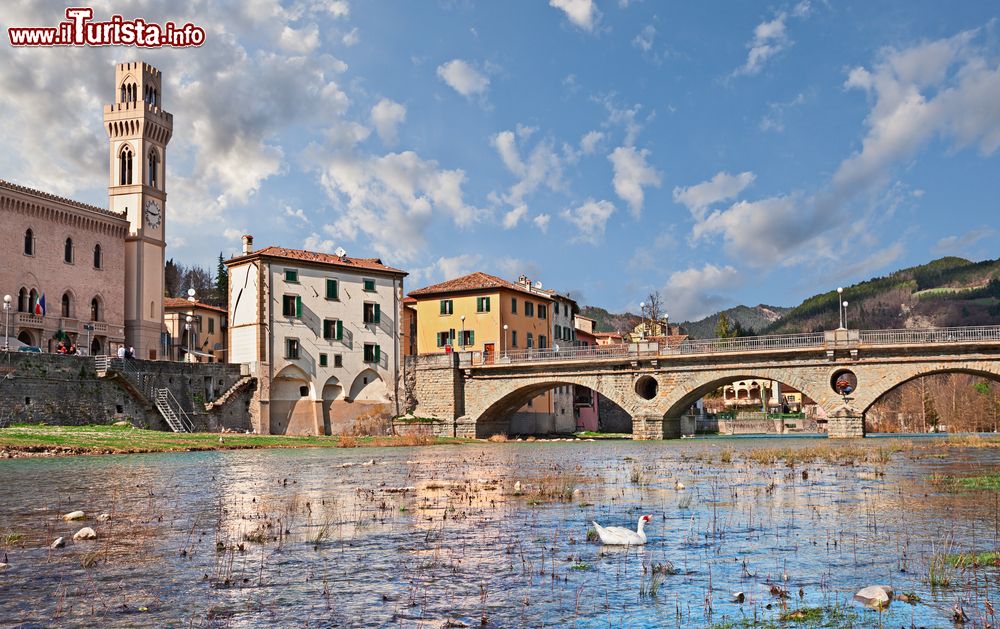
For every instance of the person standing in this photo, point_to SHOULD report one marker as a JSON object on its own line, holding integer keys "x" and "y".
{"x": 121, "y": 351}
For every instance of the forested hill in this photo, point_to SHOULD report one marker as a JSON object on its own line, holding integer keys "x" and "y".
{"x": 946, "y": 292}
{"x": 751, "y": 320}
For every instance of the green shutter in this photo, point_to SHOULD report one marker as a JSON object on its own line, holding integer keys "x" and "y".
{"x": 378, "y": 314}
{"x": 298, "y": 306}
{"x": 331, "y": 289}
{"x": 472, "y": 337}
{"x": 378, "y": 353}
{"x": 487, "y": 304}
{"x": 442, "y": 307}
{"x": 340, "y": 330}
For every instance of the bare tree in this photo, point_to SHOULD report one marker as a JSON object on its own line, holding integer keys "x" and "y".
{"x": 653, "y": 310}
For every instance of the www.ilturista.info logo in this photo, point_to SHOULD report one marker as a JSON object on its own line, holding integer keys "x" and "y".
{"x": 79, "y": 29}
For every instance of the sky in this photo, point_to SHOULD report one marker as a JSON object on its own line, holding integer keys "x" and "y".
{"x": 718, "y": 152}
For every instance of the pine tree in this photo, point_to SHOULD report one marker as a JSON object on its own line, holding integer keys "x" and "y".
{"x": 930, "y": 413}
{"x": 722, "y": 329}
{"x": 221, "y": 283}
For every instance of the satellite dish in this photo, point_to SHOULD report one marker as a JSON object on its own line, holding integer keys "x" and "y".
{"x": 340, "y": 252}
{"x": 538, "y": 284}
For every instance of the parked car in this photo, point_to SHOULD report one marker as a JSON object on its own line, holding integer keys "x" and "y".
{"x": 30, "y": 348}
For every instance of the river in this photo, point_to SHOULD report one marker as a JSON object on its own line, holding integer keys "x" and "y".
{"x": 435, "y": 535}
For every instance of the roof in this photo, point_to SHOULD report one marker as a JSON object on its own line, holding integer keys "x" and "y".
{"x": 180, "y": 303}
{"x": 608, "y": 334}
{"x": 51, "y": 197}
{"x": 363, "y": 264}
{"x": 477, "y": 281}
{"x": 409, "y": 300}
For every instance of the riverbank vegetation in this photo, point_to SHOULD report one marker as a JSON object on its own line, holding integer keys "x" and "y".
{"x": 23, "y": 440}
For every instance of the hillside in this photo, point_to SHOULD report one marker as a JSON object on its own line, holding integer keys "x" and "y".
{"x": 752, "y": 319}
{"x": 609, "y": 321}
{"x": 945, "y": 292}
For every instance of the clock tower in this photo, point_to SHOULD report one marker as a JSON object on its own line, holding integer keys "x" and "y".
{"x": 138, "y": 131}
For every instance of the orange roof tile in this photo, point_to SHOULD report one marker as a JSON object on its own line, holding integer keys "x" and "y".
{"x": 183, "y": 304}
{"x": 368, "y": 264}
{"x": 474, "y": 282}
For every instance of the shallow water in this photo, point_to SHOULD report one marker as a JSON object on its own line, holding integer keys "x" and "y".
{"x": 427, "y": 535}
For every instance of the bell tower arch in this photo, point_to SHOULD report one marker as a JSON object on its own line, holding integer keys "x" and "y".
{"x": 138, "y": 132}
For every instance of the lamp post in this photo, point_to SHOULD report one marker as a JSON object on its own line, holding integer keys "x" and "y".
{"x": 642, "y": 311}
{"x": 505, "y": 328}
{"x": 461, "y": 338}
{"x": 844, "y": 325}
{"x": 840, "y": 294}
{"x": 187, "y": 328}
{"x": 6, "y": 322}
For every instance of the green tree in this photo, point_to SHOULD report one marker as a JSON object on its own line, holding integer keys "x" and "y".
{"x": 723, "y": 329}
{"x": 221, "y": 283}
{"x": 931, "y": 416}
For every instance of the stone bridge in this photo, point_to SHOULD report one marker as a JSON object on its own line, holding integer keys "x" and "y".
{"x": 475, "y": 395}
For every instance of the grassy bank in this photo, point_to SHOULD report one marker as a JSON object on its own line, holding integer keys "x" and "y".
{"x": 40, "y": 440}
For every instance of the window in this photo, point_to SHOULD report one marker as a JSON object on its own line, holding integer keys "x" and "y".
{"x": 322, "y": 360}
{"x": 482, "y": 304}
{"x": 152, "y": 161}
{"x": 447, "y": 307}
{"x": 373, "y": 353}
{"x": 68, "y": 251}
{"x": 513, "y": 305}
{"x": 211, "y": 325}
{"x": 555, "y": 308}
{"x": 125, "y": 167}
{"x": 292, "y": 348}
{"x": 542, "y": 341}
{"x": 95, "y": 309}
{"x": 333, "y": 329}
{"x": 372, "y": 313}
{"x": 332, "y": 289}
{"x": 304, "y": 391}
{"x": 338, "y": 360}
{"x": 29, "y": 243}
{"x": 98, "y": 257}
{"x": 542, "y": 311}
{"x": 513, "y": 338}
{"x": 529, "y": 309}
{"x": 22, "y": 300}
{"x": 468, "y": 338}
{"x": 369, "y": 286}
{"x": 66, "y": 305}
{"x": 531, "y": 340}
{"x": 292, "y": 276}
{"x": 291, "y": 306}
{"x": 443, "y": 338}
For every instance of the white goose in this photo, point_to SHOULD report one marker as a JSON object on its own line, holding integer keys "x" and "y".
{"x": 621, "y": 536}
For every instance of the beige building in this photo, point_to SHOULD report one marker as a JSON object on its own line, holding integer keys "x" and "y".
{"x": 99, "y": 270}
{"x": 201, "y": 340}
{"x": 323, "y": 334}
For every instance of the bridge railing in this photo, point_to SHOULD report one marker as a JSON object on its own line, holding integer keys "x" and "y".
{"x": 748, "y": 343}
{"x": 931, "y": 335}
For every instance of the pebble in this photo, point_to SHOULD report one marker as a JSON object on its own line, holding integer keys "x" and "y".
{"x": 74, "y": 515}
{"x": 4, "y": 566}
{"x": 104, "y": 517}
{"x": 85, "y": 533}
{"x": 59, "y": 543}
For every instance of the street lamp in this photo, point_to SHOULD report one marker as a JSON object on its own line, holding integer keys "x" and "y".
{"x": 505, "y": 328}
{"x": 840, "y": 293}
{"x": 191, "y": 295}
{"x": 187, "y": 327}
{"x": 461, "y": 338}
{"x": 845, "y": 314}
{"x": 6, "y": 321}
{"x": 642, "y": 311}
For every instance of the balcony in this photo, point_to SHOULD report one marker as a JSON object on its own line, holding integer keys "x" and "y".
{"x": 69, "y": 325}
{"x": 28, "y": 320}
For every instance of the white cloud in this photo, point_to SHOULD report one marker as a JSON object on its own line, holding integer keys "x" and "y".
{"x": 769, "y": 39}
{"x": 300, "y": 41}
{"x": 513, "y": 217}
{"x": 582, "y": 13}
{"x": 588, "y": 143}
{"x": 463, "y": 78}
{"x": 351, "y": 37}
{"x": 960, "y": 244}
{"x": 338, "y": 8}
{"x": 387, "y": 115}
{"x": 774, "y": 119}
{"x": 296, "y": 214}
{"x": 802, "y": 9}
{"x": 542, "y": 222}
{"x": 644, "y": 40}
{"x": 694, "y": 293}
{"x": 511, "y": 268}
{"x": 446, "y": 268}
{"x": 722, "y": 186}
{"x": 590, "y": 219}
{"x": 762, "y": 232}
{"x": 506, "y": 145}
{"x": 632, "y": 173}
{"x": 315, "y": 242}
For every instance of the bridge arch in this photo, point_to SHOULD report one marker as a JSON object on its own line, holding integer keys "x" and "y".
{"x": 699, "y": 384}
{"x": 870, "y": 392}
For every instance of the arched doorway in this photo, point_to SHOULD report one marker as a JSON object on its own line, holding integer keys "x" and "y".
{"x": 25, "y": 337}
{"x": 333, "y": 407}
{"x": 95, "y": 347}
{"x": 370, "y": 404}
{"x": 292, "y": 403}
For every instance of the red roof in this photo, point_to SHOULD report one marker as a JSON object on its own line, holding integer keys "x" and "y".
{"x": 477, "y": 281}
{"x": 367, "y": 264}
{"x": 180, "y": 303}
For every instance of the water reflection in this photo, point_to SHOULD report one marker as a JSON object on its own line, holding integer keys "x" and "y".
{"x": 418, "y": 537}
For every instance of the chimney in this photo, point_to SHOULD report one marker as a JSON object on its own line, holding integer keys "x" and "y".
{"x": 247, "y": 244}
{"x": 524, "y": 281}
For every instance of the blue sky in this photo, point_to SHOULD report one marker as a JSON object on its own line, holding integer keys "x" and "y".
{"x": 718, "y": 152}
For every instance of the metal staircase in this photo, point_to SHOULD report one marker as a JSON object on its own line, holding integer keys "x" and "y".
{"x": 172, "y": 412}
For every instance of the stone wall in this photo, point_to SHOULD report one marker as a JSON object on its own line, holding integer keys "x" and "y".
{"x": 611, "y": 417}
{"x": 66, "y": 390}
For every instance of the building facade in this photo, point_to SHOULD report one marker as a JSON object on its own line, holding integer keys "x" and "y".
{"x": 323, "y": 334}
{"x": 203, "y": 339}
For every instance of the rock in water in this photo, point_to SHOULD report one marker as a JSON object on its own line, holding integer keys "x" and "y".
{"x": 85, "y": 533}
{"x": 739, "y": 597}
{"x": 59, "y": 543}
{"x": 4, "y": 566}
{"x": 104, "y": 517}
{"x": 74, "y": 515}
{"x": 875, "y": 597}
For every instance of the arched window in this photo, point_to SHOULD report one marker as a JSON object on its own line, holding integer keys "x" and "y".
{"x": 29, "y": 243}
{"x": 153, "y": 161}
{"x": 135, "y": 92}
{"x": 22, "y": 300}
{"x": 68, "y": 251}
{"x": 67, "y": 305}
{"x": 98, "y": 259}
{"x": 125, "y": 167}
{"x": 95, "y": 309}
{"x": 124, "y": 94}
{"x": 32, "y": 300}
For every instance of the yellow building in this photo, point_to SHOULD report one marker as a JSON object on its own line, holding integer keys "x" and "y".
{"x": 483, "y": 313}
{"x": 206, "y": 337}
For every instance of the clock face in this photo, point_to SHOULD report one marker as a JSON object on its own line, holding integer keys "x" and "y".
{"x": 153, "y": 213}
